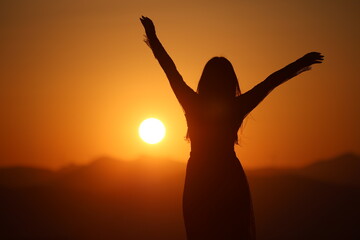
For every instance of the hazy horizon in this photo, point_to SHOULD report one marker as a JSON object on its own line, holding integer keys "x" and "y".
{"x": 160, "y": 160}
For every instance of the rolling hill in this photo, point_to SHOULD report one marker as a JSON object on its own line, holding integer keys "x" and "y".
{"x": 114, "y": 199}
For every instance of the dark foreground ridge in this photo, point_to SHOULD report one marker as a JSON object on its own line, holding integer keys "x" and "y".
{"x": 111, "y": 199}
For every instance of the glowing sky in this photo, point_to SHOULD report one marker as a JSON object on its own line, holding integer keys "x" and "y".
{"x": 76, "y": 79}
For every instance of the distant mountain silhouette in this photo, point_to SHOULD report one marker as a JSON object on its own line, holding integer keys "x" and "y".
{"x": 24, "y": 176}
{"x": 113, "y": 199}
{"x": 343, "y": 169}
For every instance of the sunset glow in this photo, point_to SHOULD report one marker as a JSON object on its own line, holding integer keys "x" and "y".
{"x": 116, "y": 127}
{"x": 78, "y": 79}
{"x": 152, "y": 130}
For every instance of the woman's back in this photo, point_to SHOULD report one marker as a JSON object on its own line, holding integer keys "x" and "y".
{"x": 213, "y": 125}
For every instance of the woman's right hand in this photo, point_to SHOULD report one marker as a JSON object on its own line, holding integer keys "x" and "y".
{"x": 148, "y": 25}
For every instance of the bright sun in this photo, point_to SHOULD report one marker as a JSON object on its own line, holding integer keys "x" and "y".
{"x": 152, "y": 130}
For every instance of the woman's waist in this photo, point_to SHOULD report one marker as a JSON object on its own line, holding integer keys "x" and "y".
{"x": 209, "y": 145}
{"x": 212, "y": 152}
{"x": 213, "y": 160}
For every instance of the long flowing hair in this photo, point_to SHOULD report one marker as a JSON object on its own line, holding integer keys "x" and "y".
{"x": 218, "y": 81}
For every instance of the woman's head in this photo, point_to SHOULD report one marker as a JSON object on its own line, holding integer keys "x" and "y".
{"x": 218, "y": 79}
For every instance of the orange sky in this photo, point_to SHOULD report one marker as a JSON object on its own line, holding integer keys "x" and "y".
{"x": 76, "y": 79}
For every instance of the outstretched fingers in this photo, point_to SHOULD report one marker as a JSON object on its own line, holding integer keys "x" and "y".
{"x": 317, "y": 57}
{"x": 312, "y": 58}
{"x": 148, "y": 25}
{"x": 145, "y": 20}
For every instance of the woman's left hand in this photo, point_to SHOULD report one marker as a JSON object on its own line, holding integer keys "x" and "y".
{"x": 311, "y": 58}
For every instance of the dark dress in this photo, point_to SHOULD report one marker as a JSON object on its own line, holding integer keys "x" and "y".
{"x": 216, "y": 201}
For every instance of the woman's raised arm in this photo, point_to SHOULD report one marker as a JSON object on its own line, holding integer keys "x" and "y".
{"x": 182, "y": 91}
{"x": 253, "y": 97}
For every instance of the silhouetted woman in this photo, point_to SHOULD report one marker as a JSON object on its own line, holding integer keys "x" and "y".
{"x": 216, "y": 201}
